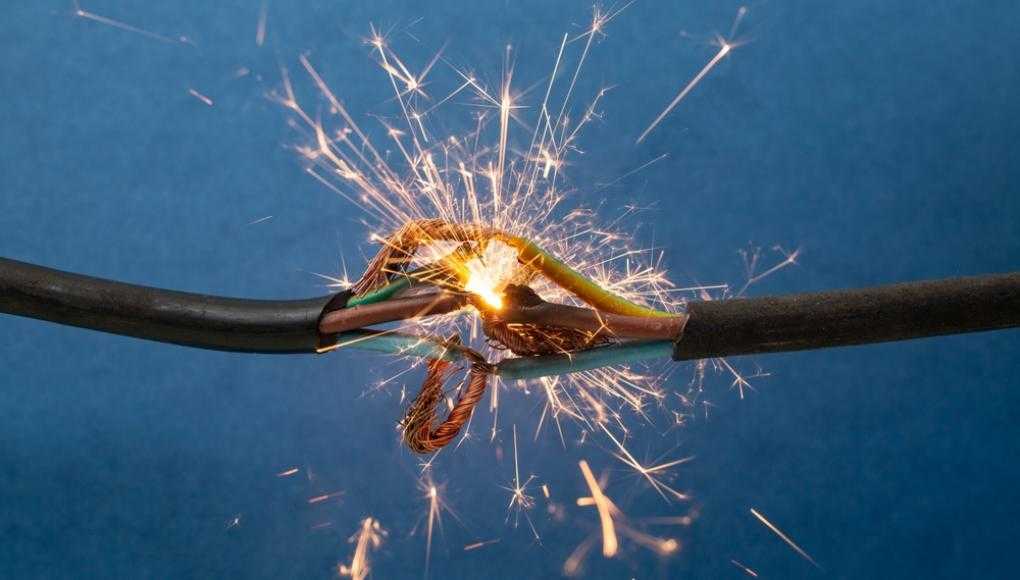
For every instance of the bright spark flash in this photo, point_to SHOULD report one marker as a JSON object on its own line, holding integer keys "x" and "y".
{"x": 324, "y": 497}
{"x": 260, "y": 29}
{"x": 751, "y": 258}
{"x": 489, "y": 273}
{"x": 477, "y": 545}
{"x": 433, "y": 519}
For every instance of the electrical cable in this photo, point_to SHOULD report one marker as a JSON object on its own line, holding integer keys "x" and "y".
{"x": 713, "y": 328}
{"x": 197, "y": 320}
{"x": 551, "y": 339}
{"x": 850, "y": 317}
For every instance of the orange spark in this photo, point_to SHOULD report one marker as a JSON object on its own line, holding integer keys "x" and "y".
{"x": 650, "y": 473}
{"x": 86, "y": 15}
{"x": 785, "y": 538}
{"x": 369, "y": 537}
{"x": 477, "y": 545}
{"x": 324, "y": 497}
{"x": 200, "y": 97}
{"x": 744, "y": 569}
{"x": 260, "y": 30}
{"x": 610, "y": 544}
{"x": 723, "y": 51}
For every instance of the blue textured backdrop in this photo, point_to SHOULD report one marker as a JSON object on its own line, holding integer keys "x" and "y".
{"x": 878, "y": 135}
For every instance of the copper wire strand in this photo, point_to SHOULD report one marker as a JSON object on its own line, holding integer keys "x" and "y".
{"x": 419, "y": 433}
{"x": 539, "y": 340}
{"x": 398, "y": 251}
{"x": 510, "y": 328}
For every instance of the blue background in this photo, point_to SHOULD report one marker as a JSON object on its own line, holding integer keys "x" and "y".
{"x": 878, "y": 135}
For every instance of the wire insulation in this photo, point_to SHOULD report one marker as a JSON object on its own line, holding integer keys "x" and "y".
{"x": 850, "y": 317}
{"x": 392, "y": 310}
{"x": 197, "y": 320}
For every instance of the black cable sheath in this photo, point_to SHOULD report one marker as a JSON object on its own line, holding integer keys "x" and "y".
{"x": 198, "y": 320}
{"x": 850, "y": 317}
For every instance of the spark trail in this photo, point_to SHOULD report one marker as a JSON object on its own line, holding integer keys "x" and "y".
{"x": 105, "y": 20}
{"x": 260, "y": 28}
{"x": 610, "y": 543}
{"x": 652, "y": 473}
{"x": 613, "y": 524}
{"x": 201, "y": 97}
{"x": 723, "y": 51}
{"x": 789, "y": 542}
{"x": 725, "y": 47}
{"x": 369, "y": 537}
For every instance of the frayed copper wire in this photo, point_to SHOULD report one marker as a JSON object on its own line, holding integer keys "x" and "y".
{"x": 398, "y": 250}
{"x": 422, "y": 435}
{"x": 538, "y": 339}
{"x": 419, "y": 433}
{"x": 522, "y": 339}
{"x": 532, "y": 339}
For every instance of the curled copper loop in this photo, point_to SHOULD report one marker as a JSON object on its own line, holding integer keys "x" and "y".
{"x": 399, "y": 249}
{"x": 420, "y": 432}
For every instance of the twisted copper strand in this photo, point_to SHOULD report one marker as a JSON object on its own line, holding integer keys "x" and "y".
{"x": 526, "y": 338}
{"x": 398, "y": 250}
{"x": 538, "y": 339}
{"x": 419, "y": 433}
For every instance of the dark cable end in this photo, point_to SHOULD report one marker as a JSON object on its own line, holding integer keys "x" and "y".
{"x": 337, "y": 302}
